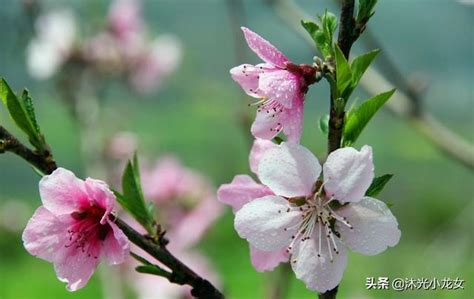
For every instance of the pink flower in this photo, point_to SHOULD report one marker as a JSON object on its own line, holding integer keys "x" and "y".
{"x": 279, "y": 84}
{"x": 242, "y": 190}
{"x": 158, "y": 61}
{"x": 125, "y": 20}
{"x": 72, "y": 229}
{"x": 316, "y": 221}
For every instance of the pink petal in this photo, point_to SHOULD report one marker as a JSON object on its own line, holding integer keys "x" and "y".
{"x": 266, "y": 223}
{"x": 318, "y": 273}
{"x": 375, "y": 227}
{"x": 247, "y": 76}
{"x": 293, "y": 122}
{"x": 267, "y": 260}
{"x": 44, "y": 235}
{"x": 242, "y": 190}
{"x": 268, "y": 123}
{"x": 281, "y": 86}
{"x": 62, "y": 193}
{"x": 75, "y": 267}
{"x": 116, "y": 246}
{"x": 266, "y": 51}
{"x": 348, "y": 173}
{"x": 259, "y": 147}
{"x": 289, "y": 170}
{"x": 100, "y": 194}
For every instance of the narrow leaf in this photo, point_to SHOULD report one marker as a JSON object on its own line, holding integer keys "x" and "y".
{"x": 378, "y": 184}
{"x": 132, "y": 199}
{"x": 343, "y": 71}
{"x": 360, "y": 64}
{"x": 360, "y": 117}
{"x": 20, "y": 114}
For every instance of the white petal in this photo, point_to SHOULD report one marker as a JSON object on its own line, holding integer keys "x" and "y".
{"x": 318, "y": 273}
{"x": 348, "y": 173}
{"x": 266, "y": 223}
{"x": 289, "y": 170}
{"x": 375, "y": 227}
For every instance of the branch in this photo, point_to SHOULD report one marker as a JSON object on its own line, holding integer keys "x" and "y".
{"x": 402, "y": 104}
{"x": 181, "y": 274}
{"x": 347, "y": 35}
{"x": 42, "y": 161}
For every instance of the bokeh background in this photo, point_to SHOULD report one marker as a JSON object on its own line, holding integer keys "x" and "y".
{"x": 196, "y": 114}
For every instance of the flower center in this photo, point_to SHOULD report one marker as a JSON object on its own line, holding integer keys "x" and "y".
{"x": 316, "y": 213}
{"x": 86, "y": 232}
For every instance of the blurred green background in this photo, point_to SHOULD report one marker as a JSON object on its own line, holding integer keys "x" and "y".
{"x": 196, "y": 115}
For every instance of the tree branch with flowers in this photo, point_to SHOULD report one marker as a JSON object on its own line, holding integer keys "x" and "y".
{"x": 301, "y": 210}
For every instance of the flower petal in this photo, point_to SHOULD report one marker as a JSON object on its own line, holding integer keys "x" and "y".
{"x": 289, "y": 170}
{"x": 259, "y": 147}
{"x": 240, "y": 191}
{"x": 266, "y": 223}
{"x": 348, "y": 173}
{"x": 115, "y": 246}
{"x": 318, "y": 273}
{"x": 75, "y": 268}
{"x": 375, "y": 227}
{"x": 266, "y": 51}
{"x": 100, "y": 194}
{"x": 281, "y": 86}
{"x": 62, "y": 192}
{"x": 293, "y": 122}
{"x": 247, "y": 77}
{"x": 44, "y": 235}
{"x": 268, "y": 123}
{"x": 267, "y": 260}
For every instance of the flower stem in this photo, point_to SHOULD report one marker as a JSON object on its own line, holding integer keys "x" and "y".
{"x": 331, "y": 294}
{"x": 345, "y": 39}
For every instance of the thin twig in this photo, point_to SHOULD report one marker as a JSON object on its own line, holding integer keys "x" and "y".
{"x": 181, "y": 274}
{"x": 401, "y": 103}
{"x": 41, "y": 161}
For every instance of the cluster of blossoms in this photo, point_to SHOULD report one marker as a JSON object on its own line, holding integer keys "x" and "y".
{"x": 120, "y": 48}
{"x": 301, "y": 212}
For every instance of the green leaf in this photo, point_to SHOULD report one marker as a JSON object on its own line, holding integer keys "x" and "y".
{"x": 132, "y": 199}
{"x": 366, "y": 10}
{"x": 359, "y": 117}
{"x": 360, "y": 64}
{"x": 378, "y": 184}
{"x": 30, "y": 109}
{"x": 310, "y": 27}
{"x": 152, "y": 269}
{"x": 22, "y": 113}
{"x": 322, "y": 34}
{"x": 323, "y": 124}
{"x": 343, "y": 72}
